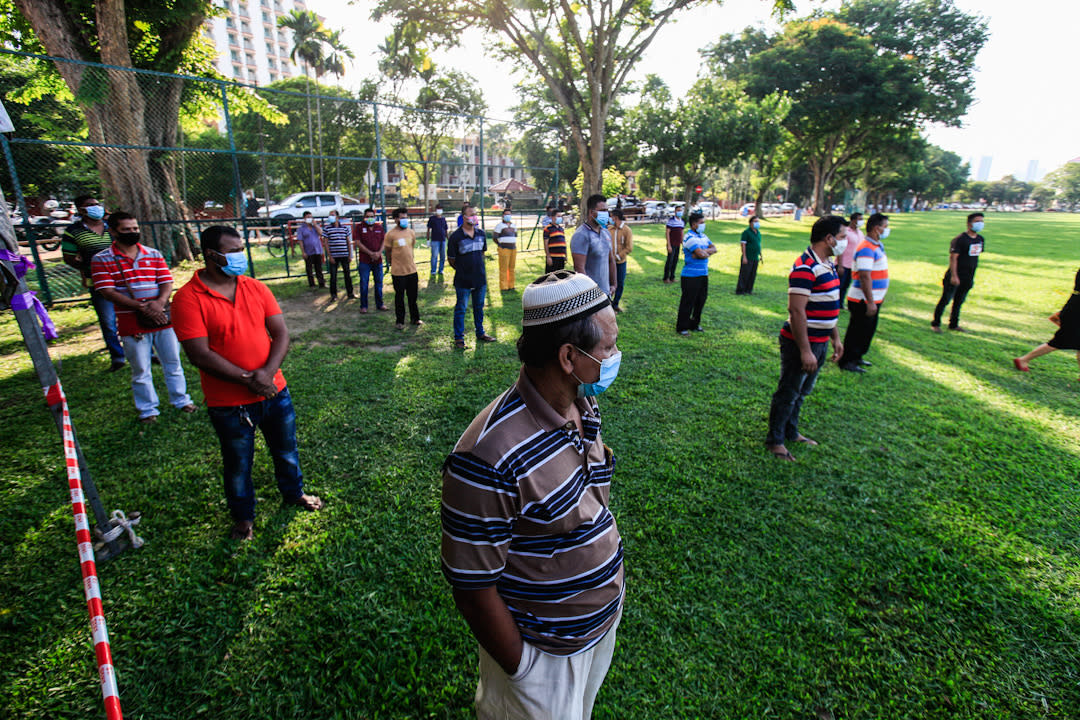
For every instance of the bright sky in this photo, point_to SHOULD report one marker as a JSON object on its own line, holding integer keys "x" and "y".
{"x": 1025, "y": 108}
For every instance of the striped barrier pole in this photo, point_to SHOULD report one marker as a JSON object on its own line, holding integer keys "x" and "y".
{"x": 55, "y": 395}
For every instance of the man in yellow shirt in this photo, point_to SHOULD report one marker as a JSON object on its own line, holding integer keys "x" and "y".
{"x": 398, "y": 247}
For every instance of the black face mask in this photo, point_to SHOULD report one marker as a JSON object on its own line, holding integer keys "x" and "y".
{"x": 128, "y": 239}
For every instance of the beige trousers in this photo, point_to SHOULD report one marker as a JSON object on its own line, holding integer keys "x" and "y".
{"x": 545, "y": 687}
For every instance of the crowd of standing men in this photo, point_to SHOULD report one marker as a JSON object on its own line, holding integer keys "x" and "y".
{"x": 529, "y": 545}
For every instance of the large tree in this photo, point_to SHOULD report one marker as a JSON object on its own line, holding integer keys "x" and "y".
{"x": 872, "y": 70}
{"x": 583, "y": 51}
{"x": 122, "y": 107}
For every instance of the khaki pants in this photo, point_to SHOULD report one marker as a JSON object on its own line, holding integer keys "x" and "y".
{"x": 545, "y": 687}
{"x": 507, "y": 260}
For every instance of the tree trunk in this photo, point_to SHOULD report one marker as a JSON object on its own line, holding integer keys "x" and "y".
{"x": 136, "y": 110}
{"x": 757, "y": 200}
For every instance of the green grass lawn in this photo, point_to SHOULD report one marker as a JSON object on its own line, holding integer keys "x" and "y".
{"x": 923, "y": 562}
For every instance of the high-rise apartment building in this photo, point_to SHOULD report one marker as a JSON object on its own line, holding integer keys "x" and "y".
{"x": 250, "y": 46}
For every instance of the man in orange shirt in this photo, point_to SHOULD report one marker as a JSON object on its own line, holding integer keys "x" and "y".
{"x": 232, "y": 329}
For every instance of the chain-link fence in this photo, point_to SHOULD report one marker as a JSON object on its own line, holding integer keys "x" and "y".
{"x": 183, "y": 153}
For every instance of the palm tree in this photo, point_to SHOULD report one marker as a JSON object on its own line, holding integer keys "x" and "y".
{"x": 333, "y": 62}
{"x": 308, "y": 37}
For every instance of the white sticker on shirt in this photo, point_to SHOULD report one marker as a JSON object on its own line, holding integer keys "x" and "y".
{"x": 975, "y": 249}
{"x": 401, "y": 242}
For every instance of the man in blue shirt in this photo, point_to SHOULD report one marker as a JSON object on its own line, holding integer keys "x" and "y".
{"x": 465, "y": 251}
{"x": 312, "y": 250}
{"x": 436, "y": 238}
{"x": 695, "y": 275}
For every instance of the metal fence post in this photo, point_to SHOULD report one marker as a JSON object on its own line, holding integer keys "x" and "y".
{"x": 20, "y": 202}
{"x": 236, "y": 177}
{"x": 380, "y": 164}
{"x": 481, "y": 178}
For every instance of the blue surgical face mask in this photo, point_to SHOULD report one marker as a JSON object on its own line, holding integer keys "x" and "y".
{"x": 756, "y": 225}
{"x": 403, "y": 223}
{"x": 977, "y": 226}
{"x": 235, "y": 263}
{"x": 609, "y": 370}
{"x": 701, "y": 228}
{"x": 95, "y": 212}
{"x": 678, "y": 213}
{"x": 603, "y": 218}
{"x": 507, "y": 218}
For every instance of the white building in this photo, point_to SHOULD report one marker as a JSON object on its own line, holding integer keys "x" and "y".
{"x": 250, "y": 46}
{"x": 499, "y": 166}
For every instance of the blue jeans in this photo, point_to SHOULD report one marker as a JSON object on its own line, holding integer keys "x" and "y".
{"x": 235, "y": 427}
{"x": 107, "y": 320}
{"x": 620, "y": 280}
{"x": 438, "y": 256}
{"x": 367, "y": 270}
{"x": 463, "y": 294}
{"x": 142, "y": 380}
{"x": 795, "y": 384}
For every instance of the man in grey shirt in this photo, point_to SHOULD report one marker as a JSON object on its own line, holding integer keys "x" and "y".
{"x": 591, "y": 245}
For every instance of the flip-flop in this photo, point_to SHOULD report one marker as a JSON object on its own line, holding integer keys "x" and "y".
{"x": 808, "y": 441}
{"x": 782, "y": 455}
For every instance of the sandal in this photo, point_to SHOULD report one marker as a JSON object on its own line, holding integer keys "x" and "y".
{"x": 803, "y": 439}
{"x": 242, "y": 530}
{"x": 781, "y": 453}
{"x": 311, "y": 503}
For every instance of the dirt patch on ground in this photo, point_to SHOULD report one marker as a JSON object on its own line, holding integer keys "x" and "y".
{"x": 307, "y": 312}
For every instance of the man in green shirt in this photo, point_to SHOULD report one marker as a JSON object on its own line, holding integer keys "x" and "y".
{"x": 84, "y": 239}
{"x": 751, "y": 256}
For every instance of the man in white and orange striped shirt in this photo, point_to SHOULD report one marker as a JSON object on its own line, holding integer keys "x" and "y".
{"x": 869, "y": 285}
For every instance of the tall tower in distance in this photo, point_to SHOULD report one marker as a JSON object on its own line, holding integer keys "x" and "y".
{"x": 1032, "y": 171}
{"x": 250, "y": 46}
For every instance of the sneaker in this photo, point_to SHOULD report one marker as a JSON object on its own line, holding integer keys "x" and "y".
{"x": 684, "y": 333}
{"x": 697, "y": 329}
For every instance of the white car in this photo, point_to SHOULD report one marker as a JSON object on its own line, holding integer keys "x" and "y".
{"x": 319, "y": 204}
{"x": 656, "y": 209}
{"x": 787, "y": 207}
{"x": 706, "y": 208}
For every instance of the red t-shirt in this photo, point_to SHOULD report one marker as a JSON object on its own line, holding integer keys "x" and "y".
{"x": 234, "y": 330}
{"x": 371, "y": 237}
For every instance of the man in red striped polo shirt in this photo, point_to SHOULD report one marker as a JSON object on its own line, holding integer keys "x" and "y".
{"x": 136, "y": 280}
{"x": 813, "y": 307}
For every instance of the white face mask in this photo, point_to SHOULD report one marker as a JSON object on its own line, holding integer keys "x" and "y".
{"x": 885, "y": 233}
{"x": 438, "y": 211}
{"x": 309, "y": 221}
{"x": 840, "y": 247}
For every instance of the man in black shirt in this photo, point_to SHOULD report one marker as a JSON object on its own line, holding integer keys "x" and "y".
{"x": 964, "y": 254}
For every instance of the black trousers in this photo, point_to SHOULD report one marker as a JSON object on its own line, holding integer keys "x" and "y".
{"x": 747, "y": 276}
{"x": 557, "y": 263}
{"x": 342, "y": 264}
{"x": 406, "y": 285}
{"x": 313, "y": 264}
{"x": 695, "y": 291}
{"x": 845, "y": 275}
{"x": 957, "y": 294}
{"x": 672, "y": 263}
{"x": 795, "y": 384}
{"x": 860, "y": 332}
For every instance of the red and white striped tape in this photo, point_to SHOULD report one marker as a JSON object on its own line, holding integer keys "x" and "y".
{"x": 55, "y": 396}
